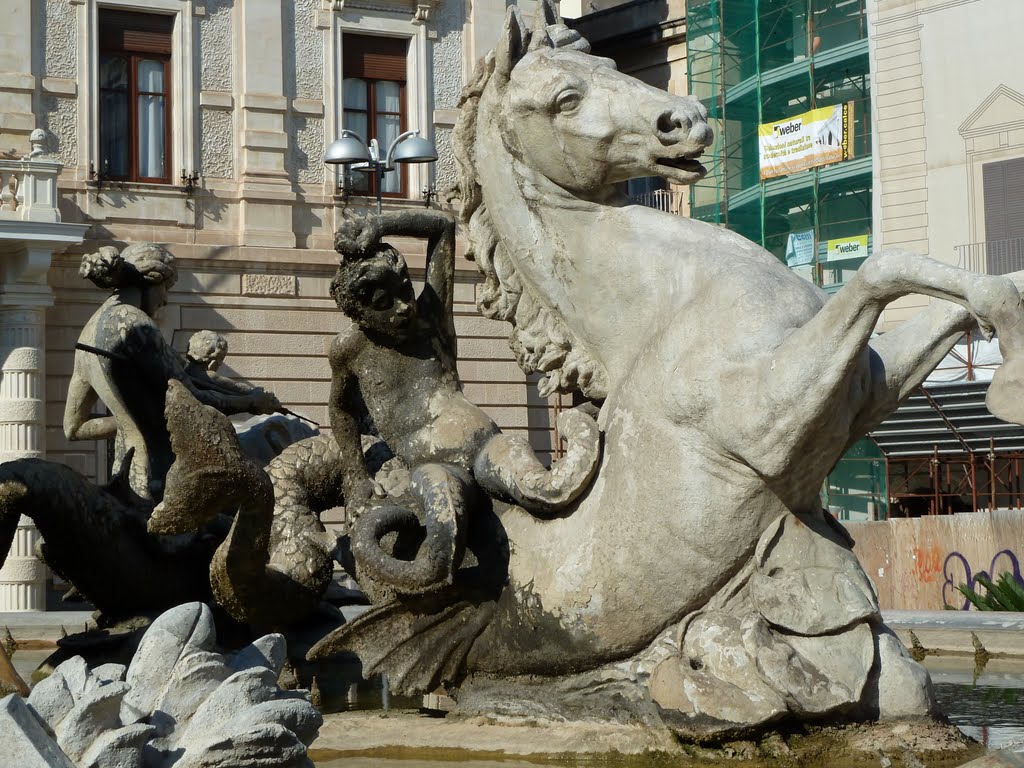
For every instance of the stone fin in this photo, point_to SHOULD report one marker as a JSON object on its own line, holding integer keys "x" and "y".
{"x": 416, "y": 647}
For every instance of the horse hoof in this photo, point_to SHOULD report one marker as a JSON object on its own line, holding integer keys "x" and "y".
{"x": 1005, "y": 398}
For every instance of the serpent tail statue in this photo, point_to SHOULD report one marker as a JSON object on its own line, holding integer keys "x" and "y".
{"x": 696, "y": 581}
{"x": 396, "y": 363}
{"x": 254, "y": 534}
{"x": 276, "y": 560}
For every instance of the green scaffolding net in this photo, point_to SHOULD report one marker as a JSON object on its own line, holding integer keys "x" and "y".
{"x": 758, "y": 62}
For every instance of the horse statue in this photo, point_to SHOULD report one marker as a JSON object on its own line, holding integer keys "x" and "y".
{"x": 698, "y": 576}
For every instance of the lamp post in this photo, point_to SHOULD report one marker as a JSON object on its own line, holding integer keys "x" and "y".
{"x": 351, "y": 149}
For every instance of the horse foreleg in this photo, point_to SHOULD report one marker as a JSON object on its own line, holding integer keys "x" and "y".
{"x": 821, "y": 365}
{"x": 902, "y": 358}
{"x": 993, "y": 300}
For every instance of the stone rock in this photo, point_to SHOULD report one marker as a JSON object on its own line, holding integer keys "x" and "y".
{"x": 903, "y": 687}
{"x": 176, "y": 635}
{"x": 24, "y": 740}
{"x": 180, "y": 703}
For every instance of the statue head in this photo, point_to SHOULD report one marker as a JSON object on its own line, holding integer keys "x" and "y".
{"x": 146, "y": 266}
{"x": 373, "y": 289}
{"x": 207, "y": 348}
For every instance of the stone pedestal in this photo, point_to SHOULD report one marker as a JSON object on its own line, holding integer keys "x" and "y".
{"x": 23, "y": 577}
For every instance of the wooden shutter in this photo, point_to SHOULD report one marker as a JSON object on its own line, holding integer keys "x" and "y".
{"x": 1004, "y": 199}
{"x": 135, "y": 32}
{"x": 374, "y": 58}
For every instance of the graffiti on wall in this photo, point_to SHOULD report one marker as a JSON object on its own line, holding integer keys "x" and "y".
{"x": 927, "y": 562}
{"x": 956, "y": 570}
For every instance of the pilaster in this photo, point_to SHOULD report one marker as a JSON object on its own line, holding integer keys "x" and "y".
{"x": 266, "y": 216}
{"x": 17, "y": 82}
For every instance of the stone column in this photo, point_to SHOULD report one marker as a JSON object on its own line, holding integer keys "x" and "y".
{"x": 22, "y": 425}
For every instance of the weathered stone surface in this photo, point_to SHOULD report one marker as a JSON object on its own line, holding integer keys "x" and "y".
{"x": 704, "y": 514}
{"x": 24, "y": 741}
{"x": 904, "y": 688}
{"x": 397, "y": 363}
{"x": 182, "y": 704}
{"x": 97, "y": 537}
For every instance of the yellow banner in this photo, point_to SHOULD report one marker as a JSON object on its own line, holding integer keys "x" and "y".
{"x": 847, "y": 248}
{"x": 819, "y": 137}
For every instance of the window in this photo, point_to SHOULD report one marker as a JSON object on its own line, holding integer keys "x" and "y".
{"x": 373, "y": 100}
{"x": 134, "y": 98}
{"x": 1004, "y": 214}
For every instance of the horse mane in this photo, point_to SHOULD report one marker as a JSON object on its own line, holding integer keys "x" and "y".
{"x": 540, "y": 339}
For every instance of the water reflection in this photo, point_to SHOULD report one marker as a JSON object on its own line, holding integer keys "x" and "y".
{"x": 988, "y": 707}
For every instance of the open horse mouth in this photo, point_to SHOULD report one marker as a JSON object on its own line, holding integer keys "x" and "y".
{"x": 687, "y": 164}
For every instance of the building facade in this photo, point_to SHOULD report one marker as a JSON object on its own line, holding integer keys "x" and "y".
{"x": 201, "y": 125}
{"x": 949, "y": 96}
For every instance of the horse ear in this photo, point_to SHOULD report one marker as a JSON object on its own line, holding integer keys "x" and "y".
{"x": 544, "y": 17}
{"x": 546, "y": 14}
{"x": 540, "y": 38}
{"x": 511, "y": 44}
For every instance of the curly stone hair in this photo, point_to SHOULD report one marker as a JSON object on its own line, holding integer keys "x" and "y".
{"x": 353, "y": 268}
{"x": 139, "y": 264}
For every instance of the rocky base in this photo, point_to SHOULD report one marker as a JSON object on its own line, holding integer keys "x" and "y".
{"x": 910, "y": 743}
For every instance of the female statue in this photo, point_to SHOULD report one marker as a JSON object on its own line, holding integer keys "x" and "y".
{"x": 123, "y": 361}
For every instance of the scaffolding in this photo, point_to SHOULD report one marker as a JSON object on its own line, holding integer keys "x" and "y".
{"x": 940, "y": 453}
{"x": 753, "y": 62}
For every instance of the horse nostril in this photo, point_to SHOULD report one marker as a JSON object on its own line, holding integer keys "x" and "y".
{"x": 670, "y": 122}
{"x": 701, "y": 133}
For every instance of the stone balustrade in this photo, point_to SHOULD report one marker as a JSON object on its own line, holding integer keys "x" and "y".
{"x": 28, "y": 190}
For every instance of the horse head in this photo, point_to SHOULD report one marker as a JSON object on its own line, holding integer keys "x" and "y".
{"x": 575, "y": 119}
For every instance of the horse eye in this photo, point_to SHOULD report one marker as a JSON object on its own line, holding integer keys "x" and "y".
{"x": 568, "y": 100}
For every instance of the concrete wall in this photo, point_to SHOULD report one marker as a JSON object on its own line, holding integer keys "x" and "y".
{"x": 947, "y": 96}
{"x": 917, "y": 563}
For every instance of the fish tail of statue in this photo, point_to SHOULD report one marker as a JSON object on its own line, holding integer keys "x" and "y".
{"x": 420, "y": 643}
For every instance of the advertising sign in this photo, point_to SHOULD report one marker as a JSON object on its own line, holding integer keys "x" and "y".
{"x": 847, "y": 248}
{"x": 818, "y": 137}
{"x": 800, "y": 248}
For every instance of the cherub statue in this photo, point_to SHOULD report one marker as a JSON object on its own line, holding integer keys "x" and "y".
{"x": 398, "y": 363}
{"x": 263, "y": 436}
{"x": 205, "y": 355}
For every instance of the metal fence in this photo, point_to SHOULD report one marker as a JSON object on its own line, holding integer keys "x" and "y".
{"x": 995, "y": 257}
{"x": 670, "y": 201}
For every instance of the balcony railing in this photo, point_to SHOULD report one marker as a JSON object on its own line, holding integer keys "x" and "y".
{"x": 995, "y": 257}
{"x": 670, "y": 201}
{"x": 28, "y": 190}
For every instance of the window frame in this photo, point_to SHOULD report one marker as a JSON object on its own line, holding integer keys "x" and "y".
{"x": 372, "y": 113}
{"x": 419, "y": 105}
{"x": 134, "y": 94}
{"x": 360, "y": 52}
{"x": 183, "y": 86}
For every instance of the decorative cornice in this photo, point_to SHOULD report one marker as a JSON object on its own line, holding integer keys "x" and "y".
{"x": 419, "y": 10}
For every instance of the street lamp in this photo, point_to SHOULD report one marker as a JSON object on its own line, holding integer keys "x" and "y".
{"x": 352, "y": 150}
